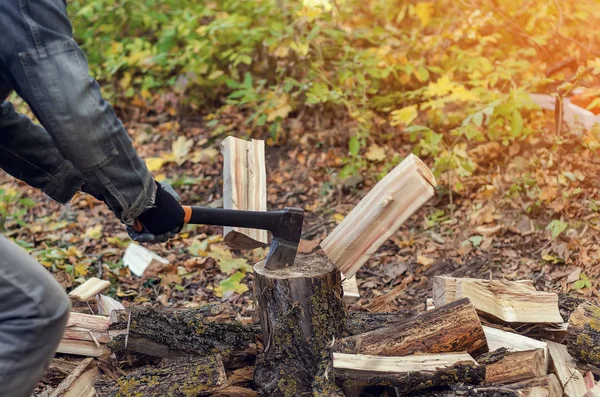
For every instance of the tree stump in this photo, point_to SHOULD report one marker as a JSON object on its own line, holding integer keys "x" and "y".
{"x": 301, "y": 313}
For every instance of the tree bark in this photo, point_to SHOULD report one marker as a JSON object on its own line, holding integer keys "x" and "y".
{"x": 542, "y": 386}
{"x": 451, "y": 328}
{"x": 583, "y": 340}
{"x": 179, "y": 333}
{"x": 184, "y": 377}
{"x": 361, "y": 322}
{"x": 301, "y": 312}
{"x": 406, "y": 381}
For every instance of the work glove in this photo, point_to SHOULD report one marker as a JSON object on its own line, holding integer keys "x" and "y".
{"x": 161, "y": 222}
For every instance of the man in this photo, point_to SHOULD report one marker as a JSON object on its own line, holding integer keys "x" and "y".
{"x": 81, "y": 146}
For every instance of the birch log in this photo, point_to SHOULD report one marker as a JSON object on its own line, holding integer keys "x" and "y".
{"x": 244, "y": 188}
{"x": 379, "y": 215}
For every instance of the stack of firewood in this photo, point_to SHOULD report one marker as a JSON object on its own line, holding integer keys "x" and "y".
{"x": 479, "y": 338}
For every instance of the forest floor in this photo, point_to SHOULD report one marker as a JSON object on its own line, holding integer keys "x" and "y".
{"x": 530, "y": 211}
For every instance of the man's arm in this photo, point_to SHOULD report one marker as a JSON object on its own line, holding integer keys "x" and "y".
{"x": 40, "y": 60}
{"x": 28, "y": 153}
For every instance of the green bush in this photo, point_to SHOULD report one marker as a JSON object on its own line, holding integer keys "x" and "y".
{"x": 451, "y": 74}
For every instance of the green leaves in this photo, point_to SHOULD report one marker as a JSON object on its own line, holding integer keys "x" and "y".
{"x": 583, "y": 282}
{"x": 556, "y": 227}
{"x": 231, "y": 283}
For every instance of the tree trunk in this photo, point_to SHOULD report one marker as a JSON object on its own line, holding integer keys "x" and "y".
{"x": 179, "y": 333}
{"x": 184, "y": 377}
{"x": 583, "y": 340}
{"x": 301, "y": 312}
{"x": 451, "y": 328}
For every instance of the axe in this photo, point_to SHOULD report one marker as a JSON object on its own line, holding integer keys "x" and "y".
{"x": 284, "y": 225}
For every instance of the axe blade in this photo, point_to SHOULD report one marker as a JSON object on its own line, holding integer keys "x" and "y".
{"x": 286, "y": 237}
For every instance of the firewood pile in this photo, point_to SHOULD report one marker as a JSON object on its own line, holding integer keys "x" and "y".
{"x": 490, "y": 338}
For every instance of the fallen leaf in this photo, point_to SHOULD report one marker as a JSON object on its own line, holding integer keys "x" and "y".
{"x": 94, "y": 232}
{"x": 425, "y": 261}
{"x": 207, "y": 155}
{"x": 227, "y": 263}
{"x": 231, "y": 283}
{"x": 154, "y": 163}
{"x": 574, "y": 275}
{"x": 166, "y": 279}
{"x": 375, "y": 153}
{"x": 181, "y": 148}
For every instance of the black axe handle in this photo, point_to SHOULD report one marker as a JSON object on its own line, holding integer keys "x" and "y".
{"x": 265, "y": 220}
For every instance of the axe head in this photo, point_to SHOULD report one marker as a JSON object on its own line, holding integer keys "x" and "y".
{"x": 286, "y": 236}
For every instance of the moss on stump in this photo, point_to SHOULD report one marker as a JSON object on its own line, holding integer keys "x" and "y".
{"x": 301, "y": 312}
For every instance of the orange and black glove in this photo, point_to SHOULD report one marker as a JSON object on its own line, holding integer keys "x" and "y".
{"x": 161, "y": 222}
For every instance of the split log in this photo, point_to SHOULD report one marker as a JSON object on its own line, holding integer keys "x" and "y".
{"x": 244, "y": 188}
{"x": 80, "y": 382}
{"x": 82, "y": 348}
{"x": 566, "y": 370}
{"x": 516, "y": 367}
{"x": 350, "y": 286}
{"x": 140, "y": 260}
{"x": 89, "y": 289}
{"x": 180, "y": 333}
{"x": 509, "y": 301}
{"x": 106, "y": 305}
{"x": 301, "y": 312}
{"x": 594, "y": 391}
{"x": 379, "y": 215}
{"x": 85, "y": 335}
{"x": 408, "y": 373}
{"x": 497, "y": 338}
{"x": 193, "y": 376}
{"x": 546, "y": 386}
{"x": 583, "y": 340}
{"x": 447, "y": 329}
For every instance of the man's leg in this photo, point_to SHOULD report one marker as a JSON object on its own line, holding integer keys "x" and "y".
{"x": 33, "y": 314}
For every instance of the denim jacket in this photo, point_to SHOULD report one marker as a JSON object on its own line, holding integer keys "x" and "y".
{"x": 82, "y": 144}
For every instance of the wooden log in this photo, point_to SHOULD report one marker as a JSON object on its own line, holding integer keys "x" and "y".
{"x": 497, "y": 338}
{"x": 566, "y": 371}
{"x": 350, "y": 287}
{"x": 80, "y": 382}
{"x": 361, "y": 322}
{"x": 583, "y": 340}
{"x": 545, "y": 386}
{"x": 82, "y": 348}
{"x": 141, "y": 261}
{"x": 408, "y": 373}
{"x": 594, "y": 391}
{"x": 509, "y": 301}
{"x": 450, "y": 328}
{"x": 517, "y": 366}
{"x": 379, "y": 215}
{"x": 244, "y": 188}
{"x": 179, "y": 333}
{"x": 185, "y": 377}
{"x": 106, "y": 305}
{"x": 89, "y": 289}
{"x": 301, "y": 312}
{"x": 88, "y": 321}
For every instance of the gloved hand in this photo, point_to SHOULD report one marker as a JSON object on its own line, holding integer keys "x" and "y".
{"x": 163, "y": 221}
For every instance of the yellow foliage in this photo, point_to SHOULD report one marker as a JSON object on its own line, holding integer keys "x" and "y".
{"x": 424, "y": 11}
{"x": 405, "y": 115}
{"x": 154, "y": 163}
